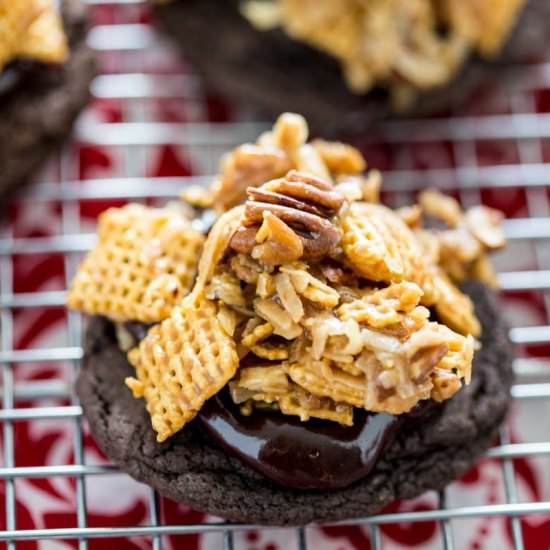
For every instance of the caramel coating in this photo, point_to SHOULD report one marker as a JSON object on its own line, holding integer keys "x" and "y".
{"x": 273, "y": 385}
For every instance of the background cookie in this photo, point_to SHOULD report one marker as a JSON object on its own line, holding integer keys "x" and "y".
{"x": 276, "y": 74}
{"x": 38, "y": 114}
{"x": 190, "y": 468}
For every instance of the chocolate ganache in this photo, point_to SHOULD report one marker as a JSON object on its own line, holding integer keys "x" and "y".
{"x": 303, "y": 455}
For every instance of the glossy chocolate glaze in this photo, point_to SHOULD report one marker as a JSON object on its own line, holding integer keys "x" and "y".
{"x": 303, "y": 455}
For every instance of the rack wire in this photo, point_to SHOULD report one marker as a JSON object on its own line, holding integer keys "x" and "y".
{"x": 123, "y": 46}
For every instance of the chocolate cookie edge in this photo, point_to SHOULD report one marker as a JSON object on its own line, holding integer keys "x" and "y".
{"x": 30, "y": 115}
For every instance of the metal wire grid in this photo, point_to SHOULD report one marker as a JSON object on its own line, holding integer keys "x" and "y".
{"x": 133, "y": 137}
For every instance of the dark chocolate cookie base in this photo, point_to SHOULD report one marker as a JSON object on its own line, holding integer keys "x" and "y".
{"x": 38, "y": 114}
{"x": 273, "y": 73}
{"x": 190, "y": 468}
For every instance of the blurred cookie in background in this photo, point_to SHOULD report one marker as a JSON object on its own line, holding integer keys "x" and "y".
{"x": 345, "y": 64}
{"x": 45, "y": 72}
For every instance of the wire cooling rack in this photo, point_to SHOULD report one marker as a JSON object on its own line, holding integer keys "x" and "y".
{"x": 134, "y": 72}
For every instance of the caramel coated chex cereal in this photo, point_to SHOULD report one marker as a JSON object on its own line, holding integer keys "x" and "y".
{"x": 144, "y": 263}
{"x": 382, "y": 248}
{"x": 181, "y": 363}
{"x": 324, "y": 379}
{"x": 273, "y": 385}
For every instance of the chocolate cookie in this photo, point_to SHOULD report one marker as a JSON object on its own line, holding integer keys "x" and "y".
{"x": 39, "y": 107}
{"x": 273, "y": 73}
{"x": 191, "y": 468}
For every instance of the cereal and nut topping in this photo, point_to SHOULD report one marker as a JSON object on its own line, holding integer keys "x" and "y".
{"x": 310, "y": 298}
{"x": 381, "y": 247}
{"x": 396, "y": 44}
{"x": 343, "y": 326}
{"x": 142, "y": 266}
{"x": 31, "y": 29}
{"x": 275, "y": 153}
{"x": 462, "y": 245}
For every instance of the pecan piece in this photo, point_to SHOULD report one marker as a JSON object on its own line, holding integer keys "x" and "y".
{"x": 261, "y": 195}
{"x": 244, "y": 240}
{"x": 320, "y": 183}
{"x": 319, "y": 235}
{"x": 247, "y": 166}
{"x": 306, "y": 189}
{"x": 277, "y": 242}
{"x": 294, "y": 214}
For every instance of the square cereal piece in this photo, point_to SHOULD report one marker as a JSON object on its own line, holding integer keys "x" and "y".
{"x": 143, "y": 264}
{"x": 181, "y": 363}
{"x": 381, "y": 247}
